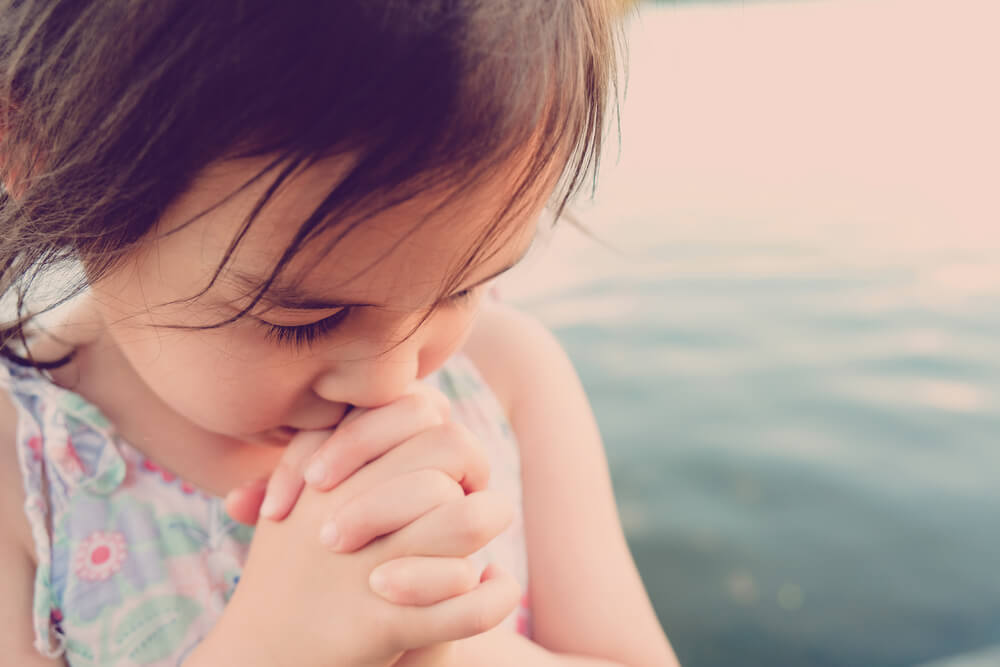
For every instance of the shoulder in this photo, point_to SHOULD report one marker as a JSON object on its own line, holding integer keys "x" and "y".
{"x": 17, "y": 559}
{"x": 569, "y": 504}
{"x": 512, "y": 350}
{"x": 535, "y": 382}
{"x": 12, "y": 518}
{"x": 538, "y": 388}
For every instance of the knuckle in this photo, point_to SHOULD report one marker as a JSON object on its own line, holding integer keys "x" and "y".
{"x": 349, "y": 436}
{"x": 439, "y": 402}
{"x": 499, "y": 506}
{"x": 480, "y": 620}
{"x": 429, "y": 412}
{"x": 469, "y": 528}
{"x": 467, "y": 457}
{"x": 467, "y": 574}
{"x": 351, "y": 522}
{"x": 465, "y": 442}
{"x": 478, "y": 466}
{"x": 462, "y": 442}
{"x": 305, "y": 443}
{"x": 454, "y": 492}
{"x": 401, "y": 585}
{"x": 282, "y": 475}
{"x": 453, "y": 433}
{"x": 506, "y": 515}
{"x": 425, "y": 412}
{"x": 421, "y": 401}
{"x": 443, "y": 486}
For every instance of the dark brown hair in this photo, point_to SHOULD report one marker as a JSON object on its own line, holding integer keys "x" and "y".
{"x": 110, "y": 108}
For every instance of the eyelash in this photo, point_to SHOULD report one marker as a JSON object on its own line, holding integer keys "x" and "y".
{"x": 304, "y": 335}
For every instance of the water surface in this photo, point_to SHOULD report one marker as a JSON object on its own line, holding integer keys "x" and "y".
{"x": 793, "y": 348}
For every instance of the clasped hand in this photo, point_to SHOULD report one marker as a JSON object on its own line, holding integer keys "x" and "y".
{"x": 369, "y": 559}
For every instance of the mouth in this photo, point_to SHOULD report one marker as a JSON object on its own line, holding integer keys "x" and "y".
{"x": 280, "y": 436}
{"x": 276, "y": 437}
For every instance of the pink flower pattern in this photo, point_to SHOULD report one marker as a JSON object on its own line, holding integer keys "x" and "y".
{"x": 100, "y": 556}
{"x": 126, "y": 543}
{"x": 67, "y": 459}
{"x": 35, "y": 445}
{"x": 168, "y": 477}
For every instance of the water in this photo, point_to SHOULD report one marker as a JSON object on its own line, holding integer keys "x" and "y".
{"x": 793, "y": 350}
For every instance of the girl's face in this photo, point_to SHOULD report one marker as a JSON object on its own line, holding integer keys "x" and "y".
{"x": 302, "y": 357}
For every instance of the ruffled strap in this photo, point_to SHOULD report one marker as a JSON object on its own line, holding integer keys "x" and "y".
{"x": 64, "y": 445}
{"x": 76, "y": 441}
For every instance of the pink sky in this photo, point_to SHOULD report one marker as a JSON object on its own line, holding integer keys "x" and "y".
{"x": 866, "y": 122}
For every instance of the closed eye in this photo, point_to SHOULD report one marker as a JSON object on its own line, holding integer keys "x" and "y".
{"x": 303, "y": 335}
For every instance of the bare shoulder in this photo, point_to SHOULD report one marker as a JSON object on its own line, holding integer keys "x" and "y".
{"x": 569, "y": 503}
{"x": 533, "y": 378}
{"x": 12, "y": 518}
{"x": 17, "y": 560}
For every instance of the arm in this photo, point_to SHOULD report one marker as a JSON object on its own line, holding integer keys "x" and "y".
{"x": 499, "y": 647}
{"x": 16, "y": 551}
{"x": 496, "y": 648}
{"x": 571, "y": 522}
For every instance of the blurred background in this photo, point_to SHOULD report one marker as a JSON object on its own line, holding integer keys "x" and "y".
{"x": 790, "y": 334}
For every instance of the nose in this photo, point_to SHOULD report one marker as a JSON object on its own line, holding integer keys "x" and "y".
{"x": 369, "y": 381}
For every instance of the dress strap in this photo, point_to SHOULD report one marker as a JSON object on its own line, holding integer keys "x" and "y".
{"x": 64, "y": 445}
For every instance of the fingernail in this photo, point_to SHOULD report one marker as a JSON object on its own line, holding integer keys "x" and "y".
{"x": 269, "y": 507}
{"x": 315, "y": 473}
{"x": 378, "y": 582}
{"x": 329, "y": 535}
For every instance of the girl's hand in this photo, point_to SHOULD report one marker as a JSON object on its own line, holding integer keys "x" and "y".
{"x": 410, "y": 494}
{"x": 298, "y": 603}
{"x": 438, "y": 655}
{"x": 362, "y": 436}
{"x": 415, "y": 425}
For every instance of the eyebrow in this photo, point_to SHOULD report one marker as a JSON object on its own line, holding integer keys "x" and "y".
{"x": 289, "y": 298}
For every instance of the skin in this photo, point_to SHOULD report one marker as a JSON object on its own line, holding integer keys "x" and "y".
{"x": 217, "y": 406}
{"x": 234, "y": 392}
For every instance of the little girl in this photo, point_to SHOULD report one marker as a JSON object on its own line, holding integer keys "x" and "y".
{"x": 245, "y": 247}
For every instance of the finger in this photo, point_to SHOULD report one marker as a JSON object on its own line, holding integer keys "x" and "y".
{"x": 242, "y": 504}
{"x": 449, "y": 447}
{"x": 286, "y": 482}
{"x": 455, "y": 529}
{"x": 388, "y": 507}
{"x": 422, "y": 581}
{"x": 442, "y": 653}
{"x": 472, "y": 613}
{"x": 370, "y": 434}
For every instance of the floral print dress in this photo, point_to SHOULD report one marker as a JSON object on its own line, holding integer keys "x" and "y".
{"x": 134, "y": 565}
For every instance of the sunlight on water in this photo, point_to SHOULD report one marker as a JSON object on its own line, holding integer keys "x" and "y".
{"x": 793, "y": 344}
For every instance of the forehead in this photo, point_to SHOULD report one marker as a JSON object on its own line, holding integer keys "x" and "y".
{"x": 403, "y": 255}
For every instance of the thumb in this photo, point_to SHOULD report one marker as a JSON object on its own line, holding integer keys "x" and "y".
{"x": 243, "y": 502}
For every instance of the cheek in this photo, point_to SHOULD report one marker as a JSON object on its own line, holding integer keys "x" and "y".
{"x": 223, "y": 379}
{"x": 194, "y": 375}
{"x": 448, "y": 330}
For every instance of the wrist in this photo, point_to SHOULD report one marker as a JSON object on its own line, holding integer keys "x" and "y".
{"x": 444, "y": 654}
{"x": 232, "y": 642}
{"x": 210, "y": 653}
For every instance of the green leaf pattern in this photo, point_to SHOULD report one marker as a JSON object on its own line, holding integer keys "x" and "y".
{"x": 161, "y": 558}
